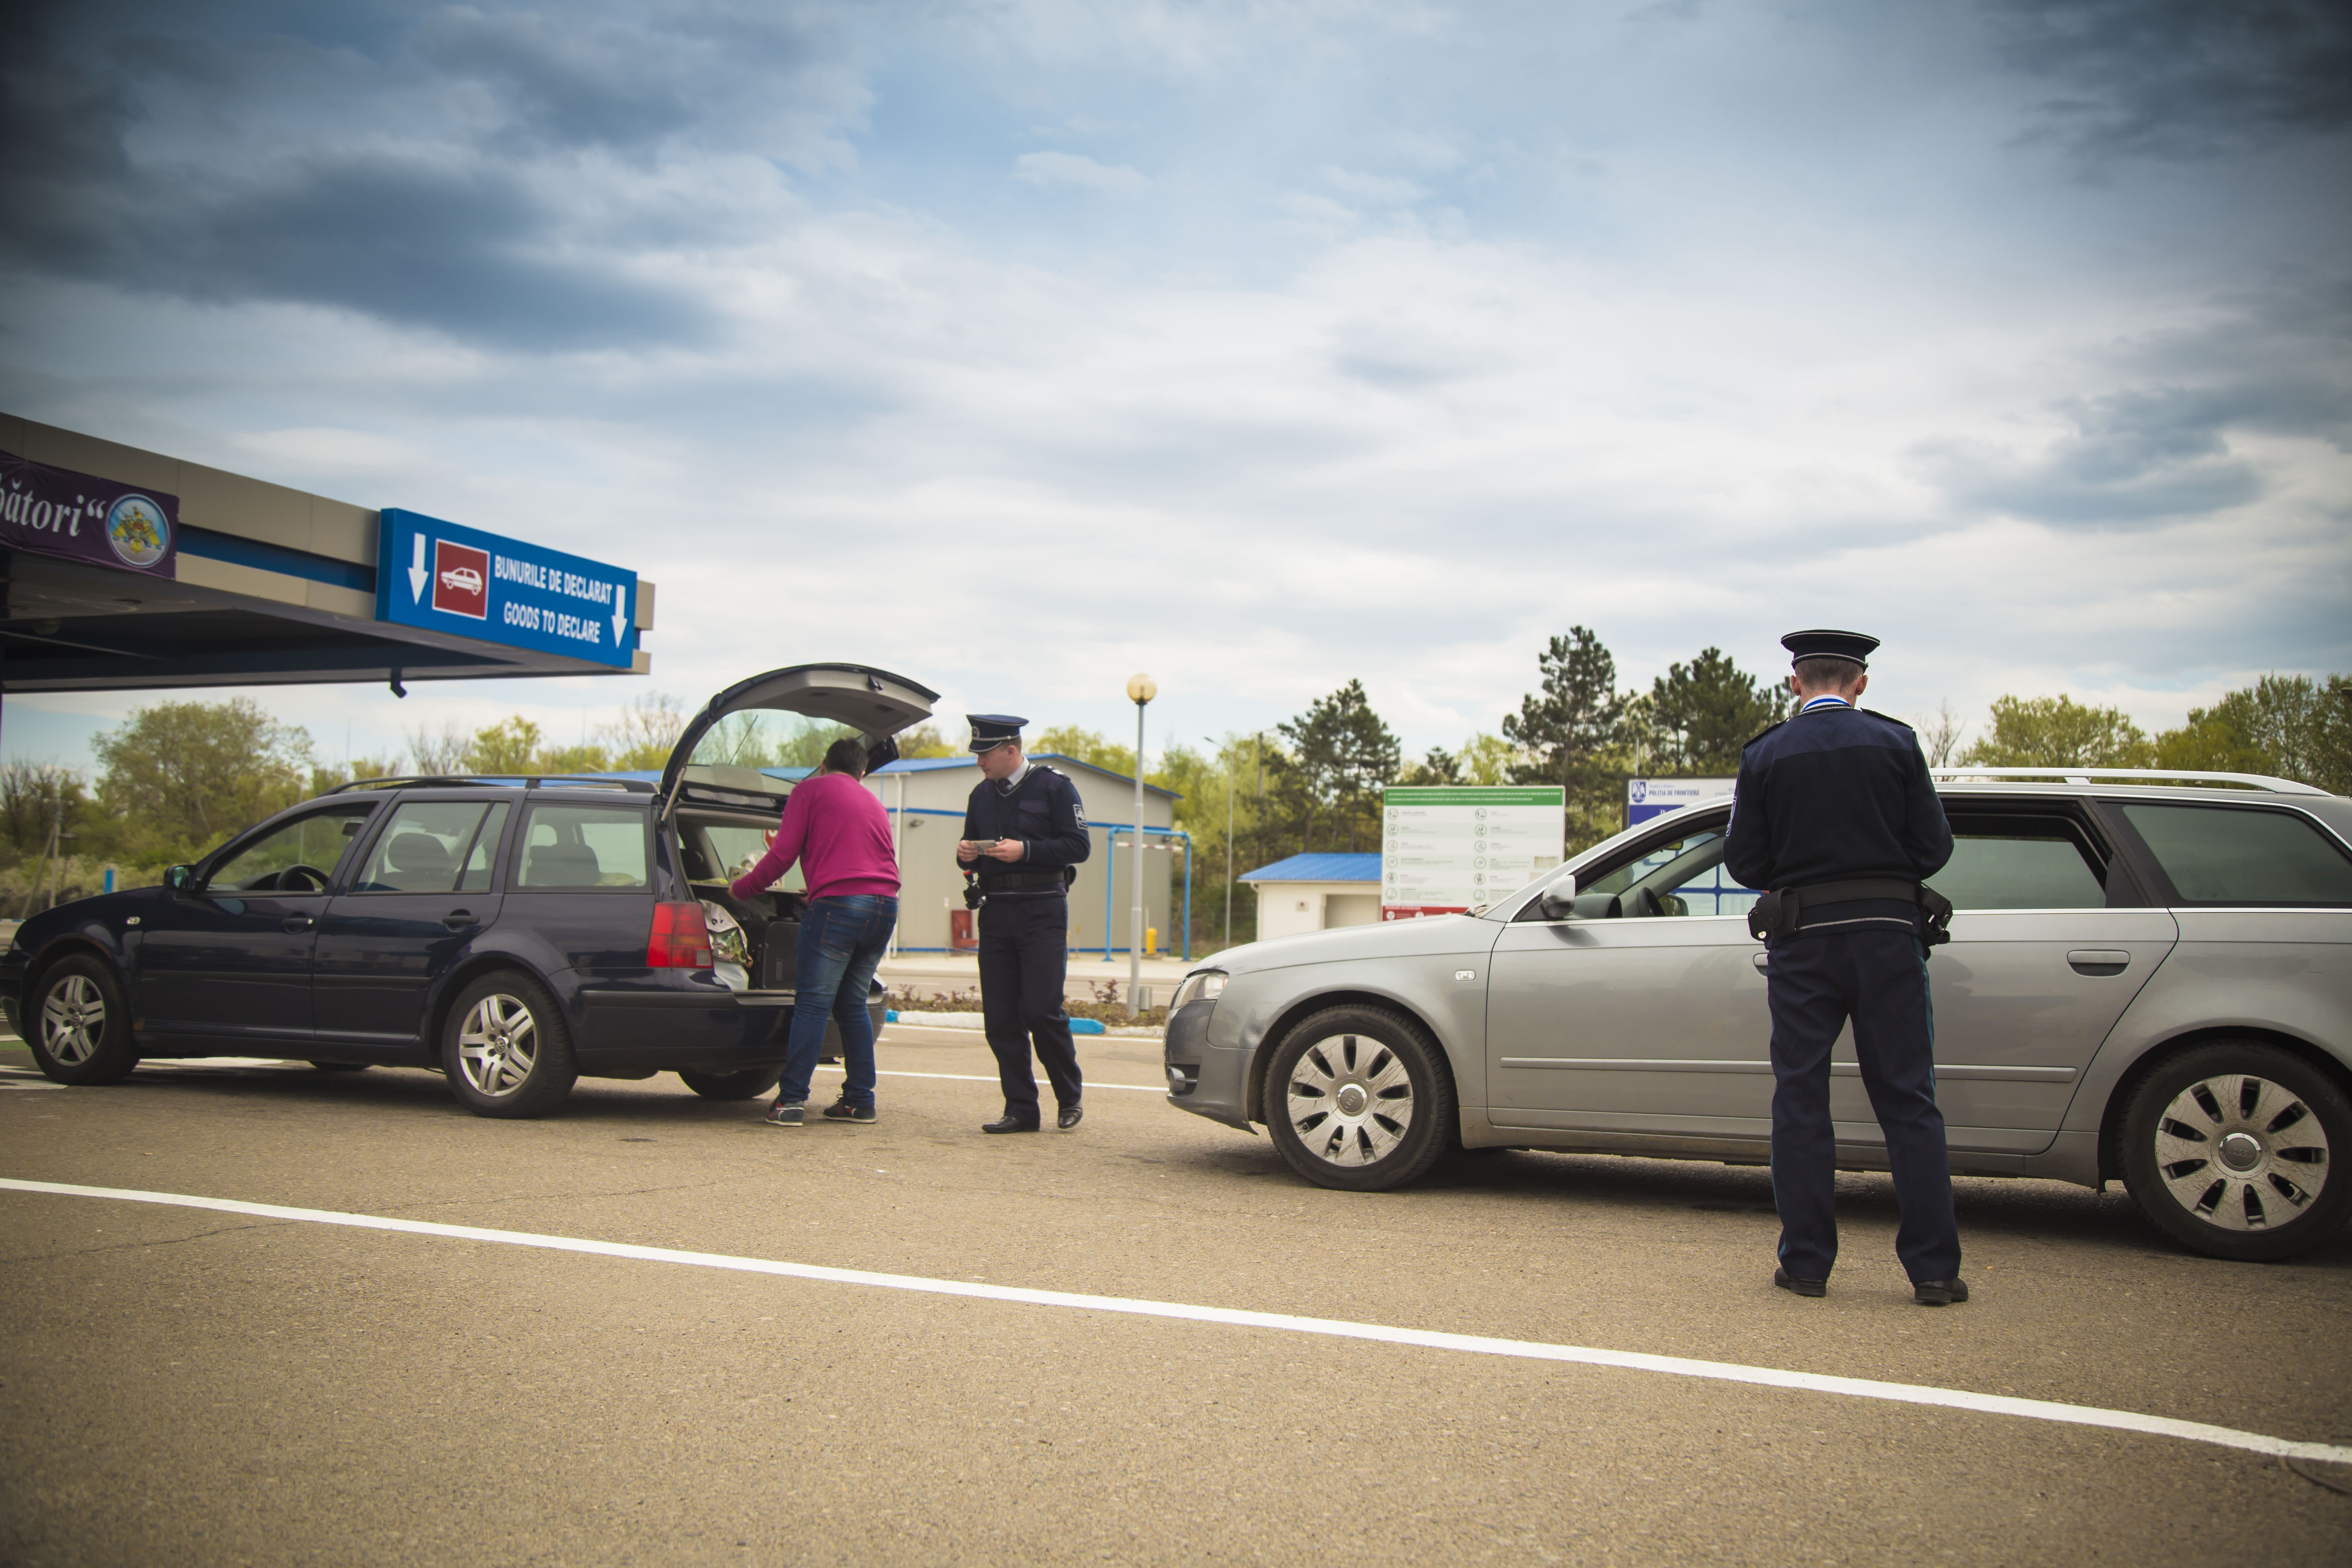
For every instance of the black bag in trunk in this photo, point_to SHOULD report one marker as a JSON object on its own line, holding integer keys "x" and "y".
{"x": 778, "y": 951}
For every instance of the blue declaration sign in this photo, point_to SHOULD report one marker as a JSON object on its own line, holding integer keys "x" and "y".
{"x": 445, "y": 578}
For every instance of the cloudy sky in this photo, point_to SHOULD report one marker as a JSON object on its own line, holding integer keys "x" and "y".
{"x": 1017, "y": 345}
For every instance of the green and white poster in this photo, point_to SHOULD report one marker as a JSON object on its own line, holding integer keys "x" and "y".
{"x": 1450, "y": 848}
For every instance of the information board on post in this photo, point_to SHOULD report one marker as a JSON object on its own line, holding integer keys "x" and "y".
{"x": 1646, "y": 798}
{"x": 446, "y": 577}
{"x": 1445, "y": 849}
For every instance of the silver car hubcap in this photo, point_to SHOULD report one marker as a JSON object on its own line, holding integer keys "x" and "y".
{"x": 73, "y": 1019}
{"x": 1350, "y": 1099}
{"x": 498, "y": 1045}
{"x": 2241, "y": 1153}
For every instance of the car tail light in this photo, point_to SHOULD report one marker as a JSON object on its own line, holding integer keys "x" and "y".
{"x": 680, "y": 938}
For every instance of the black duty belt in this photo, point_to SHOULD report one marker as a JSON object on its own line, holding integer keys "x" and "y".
{"x": 1018, "y": 882}
{"x": 1781, "y": 913}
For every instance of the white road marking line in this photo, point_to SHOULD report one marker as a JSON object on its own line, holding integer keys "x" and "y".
{"x": 991, "y": 1077}
{"x": 1476, "y": 1344}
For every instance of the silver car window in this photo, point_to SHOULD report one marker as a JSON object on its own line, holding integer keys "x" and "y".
{"x": 2023, "y": 863}
{"x": 2223, "y": 855}
{"x": 1681, "y": 877}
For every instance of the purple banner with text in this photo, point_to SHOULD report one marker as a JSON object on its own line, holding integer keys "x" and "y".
{"x": 81, "y": 516}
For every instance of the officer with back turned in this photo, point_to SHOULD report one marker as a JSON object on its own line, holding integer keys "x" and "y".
{"x": 1837, "y": 816}
{"x": 1025, "y": 832}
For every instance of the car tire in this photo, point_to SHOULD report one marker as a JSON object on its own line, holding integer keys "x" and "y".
{"x": 750, "y": 1084}
{"x": 1359, "y": 1099}
{"x": 342, "y": 1067}
{"x": 504, "y": 1048}
{"x": 80, "y": 1023}
{"x": 2229, "y": 1149}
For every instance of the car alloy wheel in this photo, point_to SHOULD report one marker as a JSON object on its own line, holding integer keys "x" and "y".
{"x": 497, "y": 1044}
{"x": 2228, "y": 1149}
{"x": 73, "y": 1019}
{"x": 1349, "y": 1099}
{"x": 2241, "y": 1153}
{"x": 1359, "y": 1098}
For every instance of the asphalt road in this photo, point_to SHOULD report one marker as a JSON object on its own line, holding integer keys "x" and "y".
{"x": 183, "y": 1386}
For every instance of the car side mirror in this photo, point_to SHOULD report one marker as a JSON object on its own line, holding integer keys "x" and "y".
{"x": 180, "y": 881}
{"x": 1558, "y": 902}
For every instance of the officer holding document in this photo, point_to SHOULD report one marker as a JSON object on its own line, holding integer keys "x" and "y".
{"x": 1025, "y": 833}
{"x": 1836, "y": 817}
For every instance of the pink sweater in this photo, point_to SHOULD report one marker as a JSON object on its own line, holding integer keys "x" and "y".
{"x": 841, "y": 835}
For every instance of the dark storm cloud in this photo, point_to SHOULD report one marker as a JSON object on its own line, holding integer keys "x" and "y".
{"x": 2182, "y": 78}
{"x": 450, "y": 171}
{"x": 2282, "y": 366}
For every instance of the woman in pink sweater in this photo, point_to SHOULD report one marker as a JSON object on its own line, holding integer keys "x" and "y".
{"x": 841, "y": 835}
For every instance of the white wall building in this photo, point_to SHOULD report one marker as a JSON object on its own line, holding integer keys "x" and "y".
{"x": 1316, "y": 892}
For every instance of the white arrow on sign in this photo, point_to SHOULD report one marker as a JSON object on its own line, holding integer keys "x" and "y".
{"x": 620, "y": 610}
{"x": 418, "y": 576}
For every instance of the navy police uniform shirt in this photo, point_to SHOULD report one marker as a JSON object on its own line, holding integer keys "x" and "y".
{"x": 1835, "y": 794}
{"x": 1042, "y": 809}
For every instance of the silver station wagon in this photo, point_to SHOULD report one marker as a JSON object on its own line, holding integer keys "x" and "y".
{"x": 2149, "y": 980}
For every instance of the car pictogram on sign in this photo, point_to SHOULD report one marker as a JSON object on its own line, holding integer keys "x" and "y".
{"x": 460, "y": 579}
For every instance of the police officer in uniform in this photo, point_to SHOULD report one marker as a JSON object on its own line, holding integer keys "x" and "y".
{"x": 1837, "y": 816}
{"x": 1025, "y": 833}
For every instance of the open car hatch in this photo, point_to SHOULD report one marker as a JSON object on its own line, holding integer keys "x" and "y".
{"x": 874, "y": 703}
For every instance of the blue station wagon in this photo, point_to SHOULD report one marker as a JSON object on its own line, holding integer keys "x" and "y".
{"x": 516, "y": 934}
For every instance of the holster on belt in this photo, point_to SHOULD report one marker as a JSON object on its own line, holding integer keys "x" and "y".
{"x": 1778, "y": 914}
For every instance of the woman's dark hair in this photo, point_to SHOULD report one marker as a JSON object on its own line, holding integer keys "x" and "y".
{"x": 845, "y": 756}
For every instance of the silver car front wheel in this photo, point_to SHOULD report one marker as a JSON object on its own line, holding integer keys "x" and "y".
{"x": 2230, "y": 1148}
{"x": 1358, "y": 1097}
{"x": 505, "y": 1049}
{"x": 73, "y": 1019}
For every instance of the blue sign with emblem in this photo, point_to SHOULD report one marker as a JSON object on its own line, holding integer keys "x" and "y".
{"x": 447, "y": 578}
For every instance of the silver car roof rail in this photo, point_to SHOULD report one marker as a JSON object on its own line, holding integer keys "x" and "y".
{"x": 2139, "y": 776}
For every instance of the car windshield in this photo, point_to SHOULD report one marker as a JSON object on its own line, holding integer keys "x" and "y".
{"x": 1679, "y": 877}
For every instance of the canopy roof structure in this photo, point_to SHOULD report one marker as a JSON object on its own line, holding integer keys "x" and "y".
{"x": 256, "y": 583}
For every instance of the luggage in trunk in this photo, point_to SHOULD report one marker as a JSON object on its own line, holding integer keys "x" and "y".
{"x": 778, "y": 951}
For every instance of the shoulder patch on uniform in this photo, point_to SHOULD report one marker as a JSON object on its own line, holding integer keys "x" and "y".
{"x": 1888, "y": 717}
{"x": 1760, "y": 735}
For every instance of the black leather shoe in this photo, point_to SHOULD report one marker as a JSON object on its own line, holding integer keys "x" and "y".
{"x": 1938, "y": 1292}
{"x": 1788, "y": 1281}
{"x": 1070, "y": 1116}
{"x": 1008, "y": 1122}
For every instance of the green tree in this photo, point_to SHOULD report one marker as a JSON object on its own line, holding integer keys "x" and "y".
{"x": 1566, "y": 728}
{"x": 642, "y": 736}
{"x": 1702, "y": 713}
{"x": 509, "y": 746}
{"x": 1341, "y": 754}
{"x": 178, "y": 777}
{"x": 2289, "y": 725}
{"x": 925, "y": 740}
{"x": 2056, "y": 732}
{"x": 35, "y": 800}
{"x": 1085, "y": 745}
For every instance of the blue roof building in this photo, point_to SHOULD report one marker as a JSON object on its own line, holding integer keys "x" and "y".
{"x": 1316, "y": 892}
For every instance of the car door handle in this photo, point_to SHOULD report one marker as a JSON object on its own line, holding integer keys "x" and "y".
{"x": 460, "y": 919}
{"x": 299, "y": 922}
{"x": 1763, "y": 963}
{"x": 2098, "y": 961}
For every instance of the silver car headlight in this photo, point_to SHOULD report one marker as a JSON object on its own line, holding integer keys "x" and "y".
{"x": 1200, "y": 986}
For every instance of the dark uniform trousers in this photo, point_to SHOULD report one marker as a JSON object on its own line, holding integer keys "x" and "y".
{"x": 1877, "y": 975}
{"x": 1024, "y": 957}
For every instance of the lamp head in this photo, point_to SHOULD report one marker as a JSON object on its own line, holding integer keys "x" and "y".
{"x": 1141, "y": 688}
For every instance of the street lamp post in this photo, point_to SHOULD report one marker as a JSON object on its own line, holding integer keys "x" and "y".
{"x": 1140, "y": 691}
{"x": 1229, "y": 847}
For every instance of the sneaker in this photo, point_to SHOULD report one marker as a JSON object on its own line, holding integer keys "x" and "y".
{"x": 783, "y": 1114}
{"x": 842, "y": 1111}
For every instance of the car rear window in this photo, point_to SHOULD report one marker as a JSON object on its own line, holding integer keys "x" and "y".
{"x": 428, "y": 844}
{"x": 579, "y": 847}
{"x": 2222, "y": 854}
{"x": 2021, "y": 864}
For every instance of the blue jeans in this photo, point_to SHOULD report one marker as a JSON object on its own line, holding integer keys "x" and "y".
{"x": 842, "y": 942}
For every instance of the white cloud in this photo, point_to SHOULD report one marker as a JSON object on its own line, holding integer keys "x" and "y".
{"x": 1079, "y": 172}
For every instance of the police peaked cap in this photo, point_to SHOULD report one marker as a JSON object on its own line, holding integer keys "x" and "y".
{"x": 990, "y": 730}
{"x": 1852, "y": 647}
